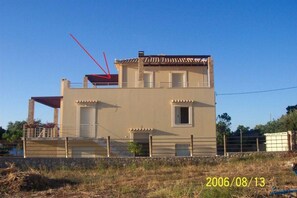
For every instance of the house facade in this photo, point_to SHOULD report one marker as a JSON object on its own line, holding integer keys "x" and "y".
{"x": 165, "y": 99}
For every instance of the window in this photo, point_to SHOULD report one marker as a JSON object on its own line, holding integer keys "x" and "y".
{"x": 178, "y": 79}
{"x": 148, "y": 80}
{"x": 181, "y": 115}
{"x": 182, "y": 150}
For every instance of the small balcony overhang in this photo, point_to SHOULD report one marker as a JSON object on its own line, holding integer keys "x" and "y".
{"x": 102, "y": 80}
{"x": 51, "y": 101}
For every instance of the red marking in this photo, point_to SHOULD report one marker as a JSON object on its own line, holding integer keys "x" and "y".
{"x": 107, "y": 76}
{"x": 107, "y": 66}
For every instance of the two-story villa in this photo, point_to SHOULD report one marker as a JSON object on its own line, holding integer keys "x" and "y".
{"x": 167, "y": 98}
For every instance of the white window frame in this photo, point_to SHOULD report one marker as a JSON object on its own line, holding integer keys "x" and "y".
{"x": 173, "y": 123}
{"x": 152, "y": 79}
{"x": 185, "y": 78}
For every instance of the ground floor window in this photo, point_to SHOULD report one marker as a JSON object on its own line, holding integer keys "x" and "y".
{"x": 181, "y": 115}
{"x": 182, "y": 150}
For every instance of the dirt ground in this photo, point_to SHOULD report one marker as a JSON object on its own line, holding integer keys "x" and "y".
{"x": 255, "y": 176}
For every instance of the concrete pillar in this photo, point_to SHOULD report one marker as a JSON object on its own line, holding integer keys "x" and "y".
{"x": 225, "y": 146}
{"x": 65, "y": 84}
{"x": 108, "y": 146}
{"x": 210, "y": 72}
{"x": 30, "y": 119}
{"x": 56, "y": 115}
{"x": 192, "y": 146}
{"x": 85, "y": 82}
{"x": 151, "y": 146}
{"x": 140, "y": 72}
{"x": 66, "y": 147}
{"x": 289, "y": 142}
{"x": 25, "y": 147}
{"x": 56, "y": 121}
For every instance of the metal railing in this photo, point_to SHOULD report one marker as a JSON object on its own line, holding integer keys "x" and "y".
{"x": 41, "y": 132}
{"x": 134, "y": 84}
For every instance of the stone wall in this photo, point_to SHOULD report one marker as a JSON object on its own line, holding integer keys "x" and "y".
{"x": 87, "y": 163}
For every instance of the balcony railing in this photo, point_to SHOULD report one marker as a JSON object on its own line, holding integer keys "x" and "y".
{"x": 40, "y": 132}
{"x": 134, "y": 84}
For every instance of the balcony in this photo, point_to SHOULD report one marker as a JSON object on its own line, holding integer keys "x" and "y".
{"x": 31, "y": 131}
{"x": 133, "y": 84}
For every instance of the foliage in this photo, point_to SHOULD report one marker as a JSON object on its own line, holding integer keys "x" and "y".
{"x": 14, "y": 131}
{"x": 291, "y": 108}
{"x": 223, "y": 126}
{"x": 134, "y": 148}
{"x": 290, "y": 121}
{"x": 2, "y": 131}
{"x": 286, "y": 122}
{"x": 224, "y": 123}
{"x": 243, "y": 129}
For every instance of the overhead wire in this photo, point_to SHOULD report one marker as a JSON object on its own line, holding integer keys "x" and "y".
{"x": 255, "y": 92}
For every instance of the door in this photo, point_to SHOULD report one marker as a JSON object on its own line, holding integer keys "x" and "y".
{"x": 87, "y": 122}
{"x": 142, "y": 139}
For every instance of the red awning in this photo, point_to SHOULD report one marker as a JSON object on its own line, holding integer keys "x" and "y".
{"x": 51, "y": 101}
{"x": 97, "y": 79}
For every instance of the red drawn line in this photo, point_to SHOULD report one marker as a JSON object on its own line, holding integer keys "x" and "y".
{"x": 107, "y": 74}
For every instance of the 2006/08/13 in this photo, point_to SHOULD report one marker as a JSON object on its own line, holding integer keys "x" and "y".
{"x": 235, "y": 182}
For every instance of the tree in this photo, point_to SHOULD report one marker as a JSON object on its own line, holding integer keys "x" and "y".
{"x": 2, "y": 131}
{"x": 286, "y": 122}
{"x": 290, "y": 120}
{"x": 224, "y": 123}
{"x": 223, "y": 126}
{"x": 241, "y": 128}
{"x": 291, "y": 108}
{"x": 134, "y": 148}
{"x": 14, "y": 131}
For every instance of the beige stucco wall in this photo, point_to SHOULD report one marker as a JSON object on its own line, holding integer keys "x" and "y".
{"x": 119, "y": 109}
{"x": 124, "y": 108}
{"x": 196, "y": 76}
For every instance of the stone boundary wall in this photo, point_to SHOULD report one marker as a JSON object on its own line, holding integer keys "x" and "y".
{"x": 89, "y": 163}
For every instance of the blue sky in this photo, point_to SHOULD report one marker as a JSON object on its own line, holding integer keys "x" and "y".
{"x": 253, "y": 44}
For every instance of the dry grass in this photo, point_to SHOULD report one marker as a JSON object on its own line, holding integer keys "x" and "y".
{"x": 160, "y": 181}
